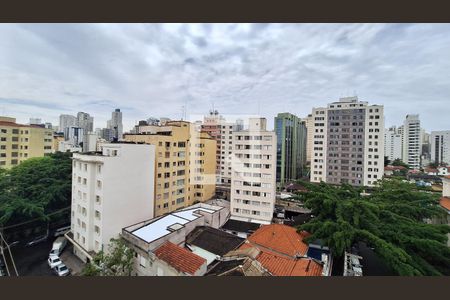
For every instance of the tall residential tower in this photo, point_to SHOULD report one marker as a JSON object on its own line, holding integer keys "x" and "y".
{"x": 348, "y": 143}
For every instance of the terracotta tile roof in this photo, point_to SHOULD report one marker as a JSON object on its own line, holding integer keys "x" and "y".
{"x": 445, "y": 202}
{"x": 280, "y": 238}
{"x": 279, "y": 265}
{"x": 181, "y": 259}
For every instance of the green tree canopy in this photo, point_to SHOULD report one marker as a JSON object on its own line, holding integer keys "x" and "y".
{"x": 399, "y": 162}
{"x": 391, "y": 220}
{"x": 118, "y": 261}
{"x": 34, "y": 188}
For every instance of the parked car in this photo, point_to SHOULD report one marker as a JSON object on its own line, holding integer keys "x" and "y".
{"x": 37, "y": 240}
{"x": 54, "y": 261}
{"x": 61, "y": 231}
{"x": 61, "y": 270}
{"x": 58, "y": 246}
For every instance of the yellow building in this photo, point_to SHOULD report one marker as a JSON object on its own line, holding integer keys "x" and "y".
{"x": 57, "y": 137}
{"x": 185, "y": 164}
{"x": 19, "y": 142}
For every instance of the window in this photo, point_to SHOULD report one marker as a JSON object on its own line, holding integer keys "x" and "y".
{"x": 97, "y": 199}
{"x": 97, "y": 215}
{"x": 97, "y": 229}
{"x": 99, "y": 184}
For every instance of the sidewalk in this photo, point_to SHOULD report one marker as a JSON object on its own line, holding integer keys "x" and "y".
{"x": 74, "y": 264}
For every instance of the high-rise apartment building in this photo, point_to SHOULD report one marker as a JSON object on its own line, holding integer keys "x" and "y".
{"x": 253, "y": 180}
{"x": 440, "y": 147}
{"x": 19, "y": 142}
{"x": 412, "y": 141}
{"x": 115, "y": 124}
{"x": 291, "y": 147}
{"x": 85, "y": 121}
{"x": 74, "y": 136}
{"x": 348, "y": 143}
{"x": 393, "y": 144}
{"x": 222, "y": 131}
{"x": 66, "y": 121}
{"x": 110, "y": 190}
{"x": 309, "y": 123}
{"x": 185, "y": 164}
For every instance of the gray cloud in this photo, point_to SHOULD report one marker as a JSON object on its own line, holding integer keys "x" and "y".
{"x": 155, "y": 69}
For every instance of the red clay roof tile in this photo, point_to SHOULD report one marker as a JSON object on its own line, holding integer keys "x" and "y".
{"x": 181, "y": 259}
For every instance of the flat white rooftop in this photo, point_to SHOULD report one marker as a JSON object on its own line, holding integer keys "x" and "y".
{"x": 167, "y": 224}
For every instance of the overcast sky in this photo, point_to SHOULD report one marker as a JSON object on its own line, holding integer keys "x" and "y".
{"x": 156, "y": 69}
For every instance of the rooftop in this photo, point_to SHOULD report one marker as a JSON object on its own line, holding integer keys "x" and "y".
{"x": 445, "y": 203}
{"x": 281, "y": 239}
{"x": 181, "y": 259}
{"x": 240, "y": 226}
{"x": 213, "y": 240}
{"x": 159, "y": 227}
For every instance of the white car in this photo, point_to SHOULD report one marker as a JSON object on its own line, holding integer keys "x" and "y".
{"x": 61, "y": 270}
{"x": 54, "y": 261}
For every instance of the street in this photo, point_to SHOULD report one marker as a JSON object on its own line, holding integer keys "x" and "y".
{"x": 32, "y": 261}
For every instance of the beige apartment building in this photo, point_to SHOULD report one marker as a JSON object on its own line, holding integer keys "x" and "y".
{"x": 185, "y": 164}
{"x": 18, "y": 142}
{"x": 253, "y": 184}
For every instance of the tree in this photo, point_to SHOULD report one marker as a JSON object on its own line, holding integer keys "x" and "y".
{"x": 390, "y": 219}
{"x": 118, "y": 261}
{"x": 399, "y": 162}
{"x": 35, "y": 188}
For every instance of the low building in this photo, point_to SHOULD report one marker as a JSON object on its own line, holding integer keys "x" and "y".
{"x": 211, "y": 243}
{"x": 240, "y": 228}
{"x": 393, "y": 170}
{"x": 147, "y": 236}
{"x": 110, "y": 189}
{"x": 172, "y": 260}
{"x": 280, "y": 250}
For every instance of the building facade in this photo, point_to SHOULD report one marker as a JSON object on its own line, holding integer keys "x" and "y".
{"x": 85, "y": 121}
{"x": 253, "y": 184}
{"x": 115, "y": 125}
{"x": 66, "y": 121}
{"x": 348, "y": 143}
{"x": 440, "y": 147}
{"x": 393, "y": 144}
{"x": 309, "y": 122}
{"x": 412, "y": 141}
{"x": 291, "y": 147}
{"x": 185, "y": 164}
{"x": 19, "y": 142}
{"x": 110, "y": 190}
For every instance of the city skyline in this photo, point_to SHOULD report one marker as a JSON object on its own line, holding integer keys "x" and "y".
{"x": 47, "y": 70}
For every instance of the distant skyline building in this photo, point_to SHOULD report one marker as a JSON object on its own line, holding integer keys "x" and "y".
{"x": 66, "y": 121}
{"x": 393, "y": 144}
{"x": 309, "y": 123}
{"x": 348, "y": 143}
{"x": 115, "y": 125}
{"x": 74, "y": 135}
{"x": 291, "y": 147}
{"x": 412, "y": 141}
{"x": 440, "y": 147}
{"x": 85, "y": 121}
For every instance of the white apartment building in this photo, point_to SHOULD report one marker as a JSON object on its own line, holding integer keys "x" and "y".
{"x": 440, "y": 146}
{"x": 253, "y": 181}
{"x": 412, "y": 141}
{"x": 111, "y": 189}
{"x": 348, "y": 143}
{"x": 393, "y": 144}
